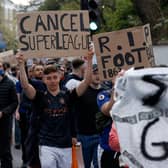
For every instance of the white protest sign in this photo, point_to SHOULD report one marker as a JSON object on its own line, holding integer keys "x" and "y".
{"x": 8, "y": 56}
{"x": 123, "y": 49}
{"x": 53, "y": 33}
{"x": 140, "y": 114}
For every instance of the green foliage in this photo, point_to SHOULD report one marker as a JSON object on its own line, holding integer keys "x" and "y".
{"x": 50, "y": 5}
{"x": 9, "y": 37}
{"x": 163, "y": 3}
{"x": 71, "y": 5}
{"x": 60, "y": 5}
{"x": 123, "y": 16}
{"x": 114, "y": 14}
{"x": 164, "y": 7}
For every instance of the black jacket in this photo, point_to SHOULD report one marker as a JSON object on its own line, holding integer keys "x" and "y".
{"x": 8, "y": 104}
{"x": 8, "y": 97}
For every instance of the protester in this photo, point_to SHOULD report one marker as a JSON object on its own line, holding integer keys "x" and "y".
{"x": 8, "y": 72}
{"x": 109, "y": 158}
{"x": 56, "y": 128}
{"x": 73, "y": 79}
{"x": 37, "y": 71}
{"x": 105, "y": 102}
{"x": 86, "y": 109}
{"x": 17, "y": 133}
{"x": 8, "y": 105}
{"x": 24, "y": 115}
{"x": 12, "y": 73}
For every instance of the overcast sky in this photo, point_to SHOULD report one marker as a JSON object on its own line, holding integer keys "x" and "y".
{"x": 21, "y": 2}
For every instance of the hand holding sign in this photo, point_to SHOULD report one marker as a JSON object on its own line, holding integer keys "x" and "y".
{"x": 90, "y": 51}
{"x": 121, "y": 73}
{"x": 20, "y": 59}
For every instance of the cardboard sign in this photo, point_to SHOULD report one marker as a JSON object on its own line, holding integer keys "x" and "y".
{"x": 53, "y": 33}
{"x": 123, "y": 49}
{"x": 8, "y": 56}
{"x": 141, "y": 117}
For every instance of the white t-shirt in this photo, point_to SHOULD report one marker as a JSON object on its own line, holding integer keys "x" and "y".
{"x": 72, "y": 83}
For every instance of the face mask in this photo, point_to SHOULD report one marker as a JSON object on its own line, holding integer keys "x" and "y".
{"x": 2, "y": 72}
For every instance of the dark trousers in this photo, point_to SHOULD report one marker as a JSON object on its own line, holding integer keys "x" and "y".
{"x": 108, "y": 160}
{"x": 31, "y": 142}
{"x": 17, "y": 133}
{"x": 6, "y": 160}
{"x": 24, "y": 126}
{"x": 5, "y": 142}
{"x": 89, "y": 149}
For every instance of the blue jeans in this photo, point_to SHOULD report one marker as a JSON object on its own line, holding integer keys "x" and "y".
{"x": 89, "y": 149}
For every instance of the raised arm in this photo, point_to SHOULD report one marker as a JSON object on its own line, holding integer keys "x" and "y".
{"x": 106, "y": 107}
{"x": 88, "y": 76}
{"x": 28, "y": 88}
{"x": 108, "y": 102}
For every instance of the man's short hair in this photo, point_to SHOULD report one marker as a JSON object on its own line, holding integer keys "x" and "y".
{"x": 76, "y": 63}
{"x": 49, "y": 69}
{"x": 94, "y": 68}
{"x": 6, "y": 65}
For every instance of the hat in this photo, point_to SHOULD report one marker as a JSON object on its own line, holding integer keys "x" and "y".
{"x": 2, "y": 72}
{"x": 94, "y": 67}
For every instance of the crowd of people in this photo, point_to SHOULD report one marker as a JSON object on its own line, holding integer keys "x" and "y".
{"x": 55, "y": 105}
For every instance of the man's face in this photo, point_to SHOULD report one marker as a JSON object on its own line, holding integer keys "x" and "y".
{"x": 62, "y": 71}
{"x": 30, "y": 72}
{"x": 52, "y": 81}
{"x": 95, "y": 78}
{"x": 38, "y": 71}
{"x": 83, "y": 69}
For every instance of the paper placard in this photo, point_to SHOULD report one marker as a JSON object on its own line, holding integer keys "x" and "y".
{"x": 123, "y": 49}
{"x": 53, "y": 33}
{"x": 8, "y": 56}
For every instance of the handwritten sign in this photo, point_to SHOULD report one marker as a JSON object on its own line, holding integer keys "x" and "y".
{"x": 141, "y": 117}
{"x": 53, "y": 33}
{"x": 8, "y": 56}
{"x": 123, "y": 49}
